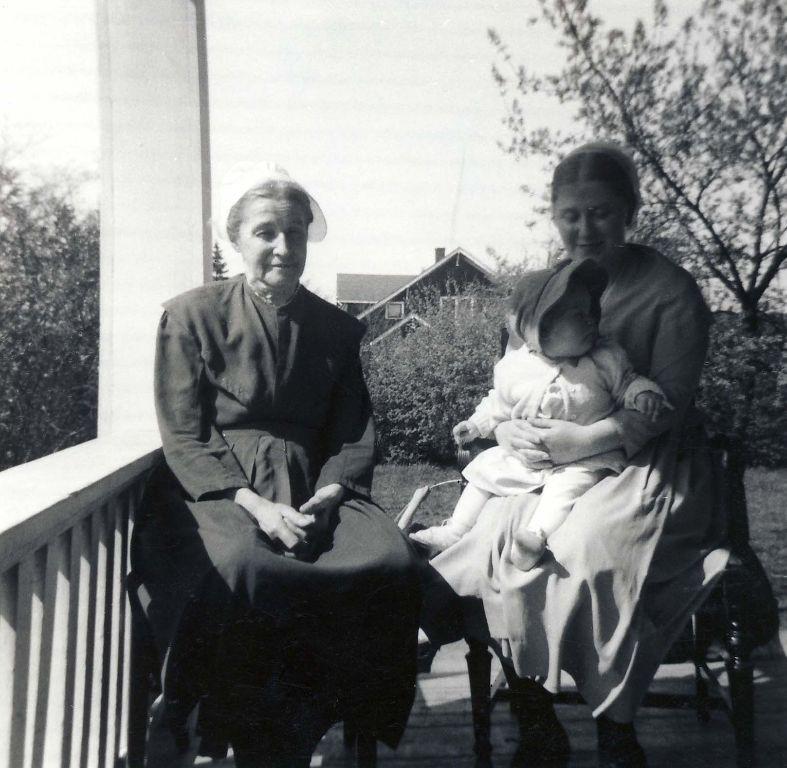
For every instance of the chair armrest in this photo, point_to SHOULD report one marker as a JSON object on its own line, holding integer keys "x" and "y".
{"x": 729, "y": 458}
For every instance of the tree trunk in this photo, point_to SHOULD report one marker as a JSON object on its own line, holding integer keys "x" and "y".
{"x": 751, "y": 318}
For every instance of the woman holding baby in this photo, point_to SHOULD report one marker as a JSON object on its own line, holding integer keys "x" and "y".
{"x": 602, "y": 593}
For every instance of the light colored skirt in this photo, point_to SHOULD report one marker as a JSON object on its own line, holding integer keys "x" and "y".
{"x": 502, "y": 473}
{"x": 622, "y": 576}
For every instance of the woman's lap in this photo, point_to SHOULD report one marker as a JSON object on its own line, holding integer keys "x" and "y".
{"x": 347, "y": 620}
{"x": 180, "y": 543}
{"x": 586, "y": 608}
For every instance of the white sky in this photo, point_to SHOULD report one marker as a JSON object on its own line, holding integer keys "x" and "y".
{"x": 386, "y": 111}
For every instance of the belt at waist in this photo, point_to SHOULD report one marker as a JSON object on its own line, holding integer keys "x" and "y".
{"x": 282, "y": 430}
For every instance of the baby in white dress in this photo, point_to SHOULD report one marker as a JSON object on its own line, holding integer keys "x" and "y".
{"x": 556, "y": 367}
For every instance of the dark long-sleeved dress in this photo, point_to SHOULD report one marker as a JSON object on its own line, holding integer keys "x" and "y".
{"x": 274, "y": 648}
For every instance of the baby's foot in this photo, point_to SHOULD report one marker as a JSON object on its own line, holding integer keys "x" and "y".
{"x": 528, "y": 548}
{"x": 438, "y": 537}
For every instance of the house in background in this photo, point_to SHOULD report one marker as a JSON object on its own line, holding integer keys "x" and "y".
{"x": 357, "y": 293}
{"x": 388, "y": 303}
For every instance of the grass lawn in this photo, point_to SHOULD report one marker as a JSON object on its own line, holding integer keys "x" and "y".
{"x": 766, "y": 491}
{"x": 766, "y": 495}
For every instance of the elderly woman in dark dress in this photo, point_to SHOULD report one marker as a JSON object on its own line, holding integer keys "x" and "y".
{"x": 638, "y": 551}
{"x": 280, "y": 597}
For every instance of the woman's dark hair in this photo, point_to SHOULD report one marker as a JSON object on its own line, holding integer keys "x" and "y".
{"x": 271, "y": 190}
{"x": 597, "y": 166}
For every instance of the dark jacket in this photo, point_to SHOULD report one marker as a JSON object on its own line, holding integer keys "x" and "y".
{"x": 229, "y": 368}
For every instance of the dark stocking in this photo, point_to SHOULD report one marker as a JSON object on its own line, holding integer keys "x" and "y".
{"x": 543, "y": 742}
{"x": 618, "y": 746}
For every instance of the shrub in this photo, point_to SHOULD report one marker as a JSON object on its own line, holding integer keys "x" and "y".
{"x": 743, "y": 392}
{"x": 423, "y": 384}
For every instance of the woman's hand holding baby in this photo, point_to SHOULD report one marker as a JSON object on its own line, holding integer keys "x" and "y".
{"x": 520, "y": 437}
{"x": 564, "y": 442}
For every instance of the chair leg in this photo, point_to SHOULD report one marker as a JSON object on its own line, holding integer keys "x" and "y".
{"x": 740, "y": 675}
{"x": 366, "y": 751}
{"x": 350, "y": 735}
{"x": 139, "y": 699}
{"x": 479, "y": 669}
{"x": 701, "y": 698}
{"x": 362, "y": 746}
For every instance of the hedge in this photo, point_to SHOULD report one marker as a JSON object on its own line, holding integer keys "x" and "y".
{"x": 743, "y": 390}
{"x": 423, "y": 384}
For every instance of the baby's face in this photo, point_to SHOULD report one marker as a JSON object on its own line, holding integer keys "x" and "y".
{"x": 569, "y": 329}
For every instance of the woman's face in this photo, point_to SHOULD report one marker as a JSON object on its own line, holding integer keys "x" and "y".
{"x": 272, "y": 241}
{"x": 591, "y": 220}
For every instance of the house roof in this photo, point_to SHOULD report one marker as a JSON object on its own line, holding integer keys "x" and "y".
{"x": 367, "y": 288}
{"x": 411, "y": 318}
{"x": 457, "y": 253}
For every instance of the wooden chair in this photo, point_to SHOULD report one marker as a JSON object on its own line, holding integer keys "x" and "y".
{"x": 741, "y": 611}
{"x": 144, "y": 686}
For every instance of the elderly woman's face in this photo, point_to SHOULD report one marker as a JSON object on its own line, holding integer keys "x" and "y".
{"x": 591, "y": 220}
{"x": 272, "y": 241}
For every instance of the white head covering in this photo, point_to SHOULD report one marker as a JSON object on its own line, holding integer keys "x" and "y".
{"x": 245, "y": 176}
{"x": 620, "y": 155}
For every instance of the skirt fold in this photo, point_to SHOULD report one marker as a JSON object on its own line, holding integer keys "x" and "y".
{"x": 239, "y": 622}
{"x": 619, "y": 581}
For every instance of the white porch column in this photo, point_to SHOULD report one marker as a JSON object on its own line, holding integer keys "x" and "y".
{"x": 155, "y": 174}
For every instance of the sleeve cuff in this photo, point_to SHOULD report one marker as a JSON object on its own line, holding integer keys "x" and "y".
{"x": 216, "y": 489}
{"x": 357, "y": 486}
{"x": 485, "y": 426}
{"x": 636, "y": 430}
{"x": 360, "y": 483}
{"x": 226, "y": 494}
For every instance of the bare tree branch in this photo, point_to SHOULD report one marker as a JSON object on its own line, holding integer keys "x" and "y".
{"x": 704, "y": 111}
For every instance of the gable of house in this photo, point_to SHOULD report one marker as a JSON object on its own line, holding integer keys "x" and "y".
{"x": 413, "y": 320}
{"x": 356, "y": 293}
{"x": 446, "y": 277}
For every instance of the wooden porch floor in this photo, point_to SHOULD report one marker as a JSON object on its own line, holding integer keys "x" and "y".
{"x": 439, "y": 734}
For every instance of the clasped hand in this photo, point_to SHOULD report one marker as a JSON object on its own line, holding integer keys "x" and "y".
{"x": 297, "y": 530}
{"x": 543, "y": 443}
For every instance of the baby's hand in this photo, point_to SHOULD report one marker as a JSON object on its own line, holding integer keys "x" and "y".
{"x": 651, "y": 404}
{"x": 465, "y": 432}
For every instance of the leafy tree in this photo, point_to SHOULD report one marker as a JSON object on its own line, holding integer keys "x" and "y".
{"x": 49, "y": 320}
{"x": 705, "y": 110}
{"x": 219, "y": 265}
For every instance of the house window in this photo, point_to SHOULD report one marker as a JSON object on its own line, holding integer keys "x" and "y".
{"x": 394, "y": 310}
{"x": 464, "y": 304}
{"x": 458, "y": 303}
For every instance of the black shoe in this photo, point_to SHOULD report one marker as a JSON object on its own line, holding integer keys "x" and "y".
{"x": 543, "y": 742}
{"x": 618, "y": 746}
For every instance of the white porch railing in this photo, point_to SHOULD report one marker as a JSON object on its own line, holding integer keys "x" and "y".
{"x": 65, "y": 526}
